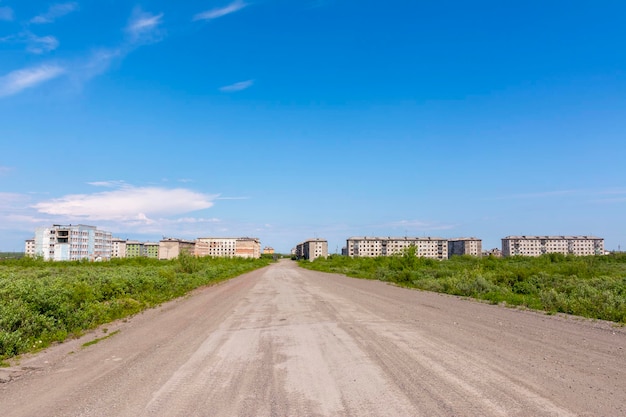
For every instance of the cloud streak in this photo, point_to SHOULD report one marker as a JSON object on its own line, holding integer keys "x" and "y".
{"x": 143, "y": 26}
{"x": 35, "y": 44}
{"x": 242, "y": 85}
{"x": 54, "y": 12}
{"x": 219, "y": 12}
{"x": 17, "y": 81}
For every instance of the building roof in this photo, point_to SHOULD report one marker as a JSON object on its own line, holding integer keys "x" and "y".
{"x": 553, "y": 237}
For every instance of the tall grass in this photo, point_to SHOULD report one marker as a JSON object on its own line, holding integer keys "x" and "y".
{"x": 43, "y": 302}
{"x": 593, "y": 286}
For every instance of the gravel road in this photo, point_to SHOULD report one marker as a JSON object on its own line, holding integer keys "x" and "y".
{"x": 284, "y": 341}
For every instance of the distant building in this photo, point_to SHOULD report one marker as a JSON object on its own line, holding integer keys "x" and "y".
{"x": 72, "y": 242}
{"x": 540, "y": 245}
{"x": 465, "y": 246}
{"x": 170, "y": 248}
{"x": 312, "y": 249}
{"x": 29, "y": 247}
{"x": 427, "y": 247}
{"x": 118, "y": 248}
{"x": 134, "y": 249}
{"x": 151, "y": 250}
{"x": 268, "y": 250}
{"x": 229, "y": 247}
{"x": 495, "y": 252}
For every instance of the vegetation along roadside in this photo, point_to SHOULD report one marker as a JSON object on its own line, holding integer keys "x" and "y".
{"x": 590, "y": 286}
{"x": 43, "y": 302}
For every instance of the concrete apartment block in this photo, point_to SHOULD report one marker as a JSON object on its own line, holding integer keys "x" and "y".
{"x": 311, "y": 249}
{"x": 539, "y": 245}
{"x": 170, "y": 248}
{"x": 118, "y": 248}
{"x": 29, "y": 247}
{"x": 72, "y": 243}
{"x": 244, "y": 247}
{"x": 427, "y": 247}
{"x": 465, "y": 246}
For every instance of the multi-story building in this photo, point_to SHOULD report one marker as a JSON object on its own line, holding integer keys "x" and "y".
{"x": 170, "y": 248}
{"x": 29, "y": 247}
{"x": 465, "y": 246}
{"x": 134, "y": 249}
{"x": 427, "y": 247}
{"x": 539, "y": 245}
{"x": 243, "y": 247}
{"x": 72, "y": 242}
{"x": 268, "y": 250}
{"x": 311, "y": 249}
{"x": 151, "y": 250}
{"x": 118, "y": 248}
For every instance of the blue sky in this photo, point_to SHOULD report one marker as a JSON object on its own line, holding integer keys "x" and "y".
{"x": 287, "y": 120}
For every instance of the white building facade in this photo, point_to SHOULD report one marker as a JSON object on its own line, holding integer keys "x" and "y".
{"x": 427, "y": 247}
{"x": 229, "y": 247}
{"x": 72, "y": 243}
{"x": 540, "y": 245}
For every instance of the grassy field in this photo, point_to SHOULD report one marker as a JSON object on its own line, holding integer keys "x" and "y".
{"x": 44, "y": 302}
{"x": 593, "y": 286}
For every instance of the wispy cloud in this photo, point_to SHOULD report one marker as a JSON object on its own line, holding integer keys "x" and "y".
{"x": 19, "y": 80}
{"x": 4, "y": 170}
{"x": 35, "y": 44}
{"x": 221, "y": 11}
{"x": 109, "y": 184}
{"x": 242, "y": 85}
{"x": 54, "y": 12}
{"x": 42, "y": 44}
{"x": 98, "y": 62}
{"x": 6, "y": 13}
{"x": 127, "y": 204}
{"x": 143, "y": 26}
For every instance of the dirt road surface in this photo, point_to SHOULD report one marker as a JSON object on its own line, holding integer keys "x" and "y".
{"x": 283, "y": 341}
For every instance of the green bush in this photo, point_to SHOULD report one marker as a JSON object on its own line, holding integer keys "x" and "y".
{"x": 43, "y": 302}
{"x": 593, "y": 286}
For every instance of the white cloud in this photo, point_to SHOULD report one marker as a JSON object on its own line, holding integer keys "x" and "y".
{"x": 6, "y": 13}
{"x": 54, "y": 12}
{"x": 16, "y": 81}
{"x": 128, "y": 204}
{"x": 222, "y": 11}
{"x": 143, "y": 26}
{"x": 242, "y": 85}
{"x": 4, "y": 170}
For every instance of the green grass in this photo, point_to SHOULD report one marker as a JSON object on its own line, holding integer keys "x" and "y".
{"x": 99, "y": 339}
{"x": 593, "y": 286}
{"x": 44, "y": 302}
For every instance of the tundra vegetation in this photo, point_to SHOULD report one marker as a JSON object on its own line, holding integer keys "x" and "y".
{"x": 590, "y": 286}
{"x": 44, "y": 302}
